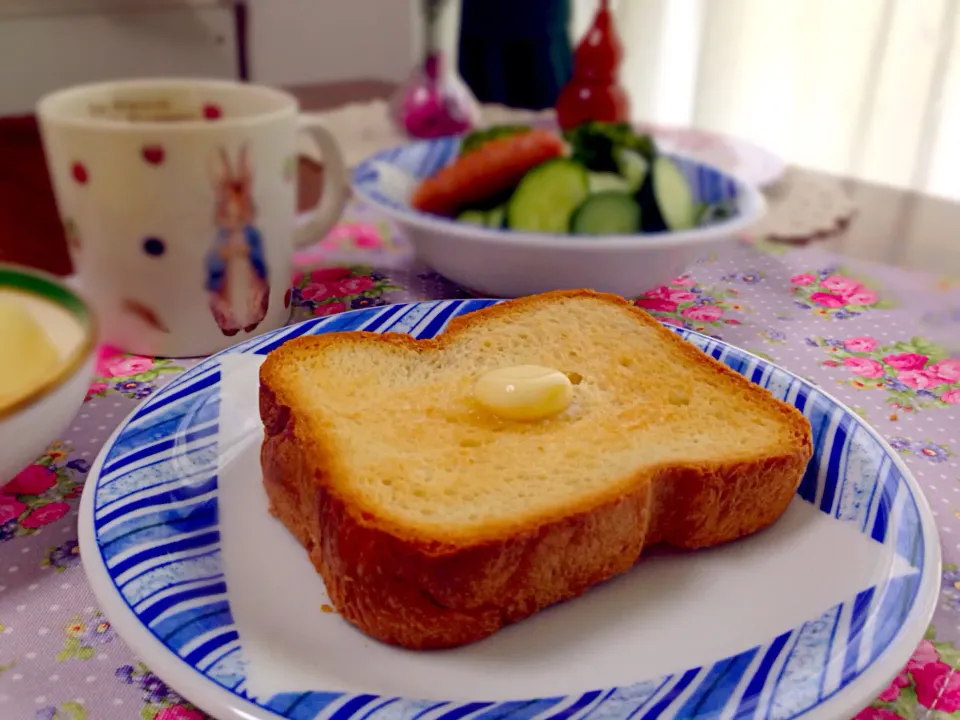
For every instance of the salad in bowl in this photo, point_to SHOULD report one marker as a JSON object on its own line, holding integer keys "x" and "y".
{"x": 514, "y": 210}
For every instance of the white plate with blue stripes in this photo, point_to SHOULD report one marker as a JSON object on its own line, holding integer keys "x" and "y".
{"x": 810, "y": 618}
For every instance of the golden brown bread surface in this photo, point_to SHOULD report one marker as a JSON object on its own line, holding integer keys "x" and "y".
{"x": 434, "y": 524}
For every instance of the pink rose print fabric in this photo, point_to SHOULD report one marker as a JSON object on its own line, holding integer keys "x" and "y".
{"x": 131, "y": 376}
{"x": 831, "y": 293}
{"x": 358, "y": 241}
{"x": 929, "y": 681}
{"x": 685, "y": 303}
{"x": 40, "y": 493}
{"x": 885, "y": 342}
{"x": 330, "y": 290}
{"x": 913, "y": 374}
{"x": 159, "y": 701}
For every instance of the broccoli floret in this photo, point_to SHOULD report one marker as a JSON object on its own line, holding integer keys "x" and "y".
{"x": 595, "y": 144}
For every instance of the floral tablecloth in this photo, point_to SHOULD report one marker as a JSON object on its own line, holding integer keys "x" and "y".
{"x": 885, "y": 341}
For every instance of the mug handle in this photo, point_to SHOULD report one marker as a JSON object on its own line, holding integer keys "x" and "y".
{"x": 335, "y": 190}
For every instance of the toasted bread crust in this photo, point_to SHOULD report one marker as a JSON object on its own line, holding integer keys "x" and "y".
{"x": 417, "y": 593}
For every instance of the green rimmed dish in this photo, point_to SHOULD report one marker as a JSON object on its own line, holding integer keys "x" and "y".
{"x": 35, "y": 419}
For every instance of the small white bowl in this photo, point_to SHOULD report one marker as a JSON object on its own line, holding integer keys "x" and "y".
{"x": 508, "y": 263}
{"x": 32, "y": 423}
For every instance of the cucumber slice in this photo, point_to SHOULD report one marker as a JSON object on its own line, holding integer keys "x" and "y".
{"x": 606, "y": 213}
{"x": 633, "y": 167}
{"x": 601, "y": 182}
{"x": 666, "y": 202}
{"x": 474, "y": 217}
{"x": 496, "y": 217}
{"x": 547, "y": 196}
{"x": 492, "y": 218}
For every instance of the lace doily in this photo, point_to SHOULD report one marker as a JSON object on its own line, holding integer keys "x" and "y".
{"x": 804, "y": 206}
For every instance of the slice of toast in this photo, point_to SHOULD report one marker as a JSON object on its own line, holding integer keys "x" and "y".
{"x": 434, "y": 523}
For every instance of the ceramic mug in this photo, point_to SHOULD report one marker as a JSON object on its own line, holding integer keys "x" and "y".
{"x": 178, "y": 198}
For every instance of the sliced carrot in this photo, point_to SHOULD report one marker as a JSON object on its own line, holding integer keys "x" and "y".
{"x": 492, "y": 169}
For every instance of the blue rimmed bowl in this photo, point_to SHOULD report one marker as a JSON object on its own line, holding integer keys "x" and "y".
{"x": 509, "y": 263}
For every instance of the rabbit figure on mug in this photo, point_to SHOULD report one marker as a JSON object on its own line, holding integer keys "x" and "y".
{"x": 237, "y": 283}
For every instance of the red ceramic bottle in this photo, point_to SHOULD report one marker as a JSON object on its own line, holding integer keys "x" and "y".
{"x": 594, "y": 92}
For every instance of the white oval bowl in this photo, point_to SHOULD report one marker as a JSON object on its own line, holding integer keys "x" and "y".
{"x": 508, "y": 263}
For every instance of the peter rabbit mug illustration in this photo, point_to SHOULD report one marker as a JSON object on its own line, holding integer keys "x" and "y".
{"x": 236, "y": 268}
{"x": 180, "y": 208}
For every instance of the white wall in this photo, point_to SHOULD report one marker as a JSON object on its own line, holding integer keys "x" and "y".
{"x": 305, "y": 41}
{"x": 46, "y": 44}
{"x": 48, "y": 49}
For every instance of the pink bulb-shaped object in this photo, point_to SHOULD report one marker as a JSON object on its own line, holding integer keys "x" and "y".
{"x": 433, "y": 102}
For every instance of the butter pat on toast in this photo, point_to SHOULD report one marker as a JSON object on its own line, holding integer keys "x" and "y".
{"x": 435, "y": 522}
